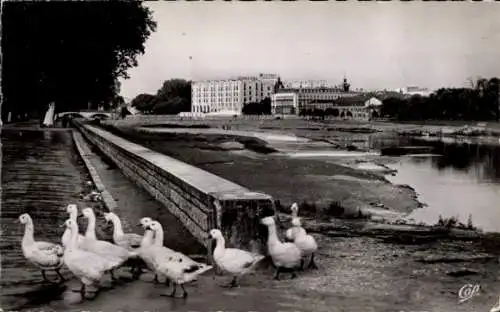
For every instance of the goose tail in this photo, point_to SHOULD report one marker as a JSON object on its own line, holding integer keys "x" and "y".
{"x": 193, "y": 271}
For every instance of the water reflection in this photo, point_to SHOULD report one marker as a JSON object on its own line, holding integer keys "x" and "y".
{"x": 463, "y": 180}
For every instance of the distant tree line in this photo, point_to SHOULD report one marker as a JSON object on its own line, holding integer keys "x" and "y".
{"x": 481, "y": 102}
{"x": 70, "y": 53}
{"x": 173, "y": 97}
{"x": 258, "y": 108}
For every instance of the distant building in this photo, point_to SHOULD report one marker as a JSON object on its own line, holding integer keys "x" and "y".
{"x": 284, "y": 103}
{"x": 296, "y": 84}
{"x": 414, "y": 90}
{"x": 211, "y": 96}
{"x": 337, "y": 102}
{"x": 308, "y": 95}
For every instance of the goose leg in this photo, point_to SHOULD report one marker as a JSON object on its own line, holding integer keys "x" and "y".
{"x": 172, "y": 294}
{"x": 234, "y": 282}
{"x": 82, "y": 291}
{"x": 61, "y": 277}
{"x": 277, "y": 275}
{"x": 302, "y": 264}
{"x": 167, "y": 282}
{"x": 312, "y": 264}
{"x": 185, "y": 292}
{"x": 113, "y": 278}
{"x": 44, "y": 276}
{"x": 156, "y": 279}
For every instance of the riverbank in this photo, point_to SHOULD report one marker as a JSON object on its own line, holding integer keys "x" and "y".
{"x": 320, "y": 187}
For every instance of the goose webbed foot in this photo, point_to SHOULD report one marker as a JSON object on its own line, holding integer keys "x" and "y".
{"x": 232, "y": 284}
{"x": 294, "y": 274}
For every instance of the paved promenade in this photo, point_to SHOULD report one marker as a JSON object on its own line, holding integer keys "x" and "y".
{"x": 355, "y": 273}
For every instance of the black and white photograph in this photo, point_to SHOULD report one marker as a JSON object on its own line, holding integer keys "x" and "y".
{"x": 237, "y": 156}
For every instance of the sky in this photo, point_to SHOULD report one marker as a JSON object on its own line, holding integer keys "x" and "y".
{"x": 376, "y": 45}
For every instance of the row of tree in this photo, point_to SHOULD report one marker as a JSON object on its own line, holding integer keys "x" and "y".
{"x": 481, "y": 102}
{"x": 173, "y": 97}
{"x": 258, "y": 108}
{"x": 71, "y": 53}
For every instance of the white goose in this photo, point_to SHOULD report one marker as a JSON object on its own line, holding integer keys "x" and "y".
{"x": 149, "y": 239}
{"x": 286, "y": 256}
{"x": 147, "y": 243}
{"x": 88, "y": 267}
{"x": 175, "y": 266}
{"x": 128, "y": 241}
{"x": 72, "y": 210}
{"x": 115, "y": 254}
{"x": 306, "y": 243}
{"x": 291, "y": 232}
{"x": 234, "y": 261}
{"x": 44, "y": 255}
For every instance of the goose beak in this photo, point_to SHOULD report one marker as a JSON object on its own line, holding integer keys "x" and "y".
{"x": 80, "y": 215}
{"x": 62, "y": 225}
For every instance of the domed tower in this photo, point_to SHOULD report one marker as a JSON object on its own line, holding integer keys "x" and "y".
{"x": 346, "y": 85}
{"x": 278, "y": 85}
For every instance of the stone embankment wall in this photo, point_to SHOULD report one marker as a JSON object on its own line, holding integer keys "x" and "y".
{"x": 199, "y": 199}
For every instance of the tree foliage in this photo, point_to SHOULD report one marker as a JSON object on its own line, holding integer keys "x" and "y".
{"x": 173, "y": 97}
{"x": 478, "y": 103}
{"x": 69, "y": 52}
{"x": 258, "y": 108}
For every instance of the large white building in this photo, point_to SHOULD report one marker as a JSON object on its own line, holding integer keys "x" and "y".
{"x": 230, "y": 95}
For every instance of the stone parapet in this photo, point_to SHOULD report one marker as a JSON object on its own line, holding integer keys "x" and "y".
{"x": 199, "y": 199}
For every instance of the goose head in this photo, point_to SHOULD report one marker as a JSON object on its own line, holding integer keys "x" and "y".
{"x": 294, "y": 208}
{"x": 108, "y": 216}
{"x": 88, "y": 213}
{"x": 69, "y": 224}
{"x": 144, "y": 222}
{"x": 25, "y": 218}
{"x": 153, "y": 226}
{"x": 267, "y": 221}
{"x": 73, "y": 209}
{"x": 215, "y": 234}
{"x": 296, "y": 222}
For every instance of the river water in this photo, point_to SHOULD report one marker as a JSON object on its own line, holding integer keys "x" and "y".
{"x": 453, "y": 177}
{"x": 460, "y": 179}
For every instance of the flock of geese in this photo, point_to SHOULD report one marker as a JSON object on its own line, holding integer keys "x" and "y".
{"x": 89, "y": 258}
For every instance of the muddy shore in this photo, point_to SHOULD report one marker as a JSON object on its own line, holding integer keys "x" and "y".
{"x": 253, "y": 163}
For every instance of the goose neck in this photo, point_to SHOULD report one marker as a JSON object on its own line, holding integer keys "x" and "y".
{"x": 117, "y": 226}
{"x": 28, "y": 237}
{"x": 159, "y": 236}
{"x": 220, "y": 246}
{"x": 90, "y": 233}
{"x": 272, "y": 236}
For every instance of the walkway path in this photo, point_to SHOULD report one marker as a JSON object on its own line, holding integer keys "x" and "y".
{"x": 41, "y": 174}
